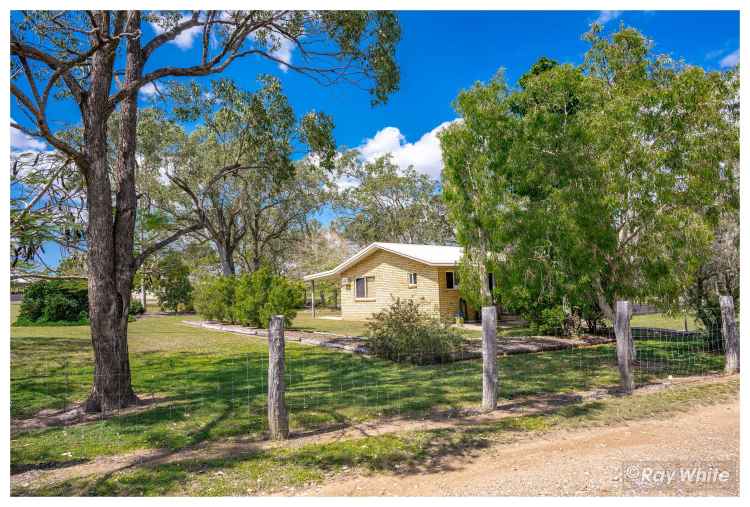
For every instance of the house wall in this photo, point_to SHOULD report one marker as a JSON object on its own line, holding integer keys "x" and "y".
{"x": 449, "y": 299}
{"x": 391, "y": 281}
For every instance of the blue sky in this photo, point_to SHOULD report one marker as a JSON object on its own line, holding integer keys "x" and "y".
{"x": 444, "y": 52}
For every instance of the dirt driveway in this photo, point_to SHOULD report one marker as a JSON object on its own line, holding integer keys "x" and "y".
{"x": 583, "y": 462}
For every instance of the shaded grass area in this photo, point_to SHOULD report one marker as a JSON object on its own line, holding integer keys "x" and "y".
{"x": 304, "y": 321}
{"x": 268, "y": 471}
{"x": 211, "y": 385}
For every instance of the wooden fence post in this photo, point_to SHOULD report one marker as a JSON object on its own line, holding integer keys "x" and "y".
{"x": 624, "y": 345}
{"x": 278, "y": 422}
{"x": 489, "y": 357}
{"x": 730, "y": 334}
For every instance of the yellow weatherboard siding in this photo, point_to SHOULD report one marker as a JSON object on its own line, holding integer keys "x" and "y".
{"x": 390, "y": 280}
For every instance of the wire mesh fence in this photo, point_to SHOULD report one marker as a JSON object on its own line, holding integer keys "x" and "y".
{"x": 188, "y": 399}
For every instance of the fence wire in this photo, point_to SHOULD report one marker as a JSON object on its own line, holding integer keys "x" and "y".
{"x": 202, "y": 397}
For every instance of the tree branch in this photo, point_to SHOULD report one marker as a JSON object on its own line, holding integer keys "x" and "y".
{"x": 163, "y": 243}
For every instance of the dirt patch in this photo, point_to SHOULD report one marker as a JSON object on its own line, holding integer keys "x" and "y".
{"x": 76, "y": 415}
{"x": 471, "y": 350}
{"x": 353, "y": 344}
{"x": 581, "y": 462}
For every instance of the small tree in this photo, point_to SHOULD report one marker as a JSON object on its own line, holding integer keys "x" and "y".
{"x": 170, "y": 281}
{"x": 403, "y": 332}
{"x": 262, "y": 294}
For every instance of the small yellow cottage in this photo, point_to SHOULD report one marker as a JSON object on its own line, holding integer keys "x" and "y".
{"x": 374, "y": 277}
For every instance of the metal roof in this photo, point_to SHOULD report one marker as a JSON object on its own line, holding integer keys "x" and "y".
{"x": 431, "y": 255}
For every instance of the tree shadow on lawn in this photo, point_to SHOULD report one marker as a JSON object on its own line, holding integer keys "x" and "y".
{"x": 240, "y": 473}
{"x": 225, "y": 397}
{"x": 324, "y": 388}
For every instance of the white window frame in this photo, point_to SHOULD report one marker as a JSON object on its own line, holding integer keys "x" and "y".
{"x": 367, "y": 296}
{"x": 454, "y": 279}
{"x": 412, "y": 279}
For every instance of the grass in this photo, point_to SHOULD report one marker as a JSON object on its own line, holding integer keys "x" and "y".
{"x": 304, "y": 321}
{"x": 664, "y": 321}
{"x": 212, "y": 385}
{"x": 263, "y": 472}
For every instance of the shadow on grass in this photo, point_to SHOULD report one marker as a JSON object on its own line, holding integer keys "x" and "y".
{"x": 238, "y": 473}
{"x": 216, "y": 396}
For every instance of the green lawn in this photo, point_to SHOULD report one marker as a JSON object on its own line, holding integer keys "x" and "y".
{"x": 212, "y": 385}
{"x": 304, "y": 321}
{"x": 664, "y": 321}
{"x": 268, "y": 471}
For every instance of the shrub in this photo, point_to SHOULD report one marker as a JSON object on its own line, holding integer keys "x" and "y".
{"x": 136, "y": 308}
{"x": 260, "y": 295}
{"x": 171, "y": 283}
{"x": 251, "y": 299}
{"x": 55, "y": 301}
{"x": 404, "y": 333}
{"x": 213, "y": 298}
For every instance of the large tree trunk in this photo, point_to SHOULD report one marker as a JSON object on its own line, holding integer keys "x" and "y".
{"x": 110, "y": 256}
{"x": 226, "y": 256}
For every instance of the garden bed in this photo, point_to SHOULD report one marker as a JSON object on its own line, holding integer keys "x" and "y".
{"x": 472, "y": 350}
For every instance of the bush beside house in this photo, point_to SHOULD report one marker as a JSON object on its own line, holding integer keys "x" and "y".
{"x": 251, "y": 299}
{"x": 54, "y": 301}
{"x": 404, "y": 333}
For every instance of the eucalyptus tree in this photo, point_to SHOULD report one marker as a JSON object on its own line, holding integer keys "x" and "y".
{"x": 95, "y": 63}
{"x": 278, "y": 214}
{"x": 381, "y": 202}
{"x": 603, "y": 179}
{"x": 45, "y": 207}
{"x": 234, "y": 177}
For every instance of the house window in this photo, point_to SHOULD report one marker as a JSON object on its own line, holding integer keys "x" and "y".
{"x": 364, "y": 287}
{"x": 412, "y": 279}
{"x": 451, "y": 280}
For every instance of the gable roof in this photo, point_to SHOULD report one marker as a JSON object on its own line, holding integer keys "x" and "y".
{"x": 431, "y": 255}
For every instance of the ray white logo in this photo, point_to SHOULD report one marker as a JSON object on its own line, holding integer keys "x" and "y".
{"x": 664, "y": 474}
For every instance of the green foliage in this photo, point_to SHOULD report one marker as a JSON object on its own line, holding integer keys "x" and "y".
{"x": 404, "y": 333}
{"x": 136, "y": 308}
{"x": 595, "y": 183}
{"x": 171, "y": 283}
{"x": 386, "y": 203}
{"x": 262, "y": 294}
{"x": 55, "y": 301}
{"x": 251, "y": 299}
{"x": 213, "y": 298}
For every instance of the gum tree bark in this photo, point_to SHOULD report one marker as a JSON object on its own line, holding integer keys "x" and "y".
{"x": 72, "y": 56}
{"x": 111, "y": 241}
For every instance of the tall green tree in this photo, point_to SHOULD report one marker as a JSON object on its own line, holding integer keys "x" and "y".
{"x": 381, "y": 202}
{"x": 234, "y": 178}
{"x": 602, "y": 180}
{"x": 97, "y": 61}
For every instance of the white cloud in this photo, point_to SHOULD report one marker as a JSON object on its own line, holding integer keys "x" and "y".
{"x": 20, "y": 141}
{"x": 185, "y": 39}
{"x": 607, "y": 16}
{"x": 284, "y": 52}
{"x": 731, "y": 59}
{"x": 282, "y": 47}
{"x": 148, "y": 90}
{"x": 424, "y": 154}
